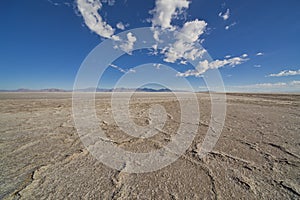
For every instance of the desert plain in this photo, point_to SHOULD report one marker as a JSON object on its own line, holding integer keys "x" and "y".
{"x": 257, "y": 155}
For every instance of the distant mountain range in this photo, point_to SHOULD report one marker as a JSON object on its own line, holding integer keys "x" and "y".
{"x": 96, "y": 89}
{"x": 125, "y": 90}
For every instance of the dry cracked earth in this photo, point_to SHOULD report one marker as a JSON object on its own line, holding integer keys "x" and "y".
{"x": 256, "y": 157}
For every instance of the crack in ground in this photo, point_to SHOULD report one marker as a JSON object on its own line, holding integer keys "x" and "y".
{"x": 288, "y": 188}
{"x": 208, "y": 172}
{"x": 118, "y": 182}
{"x": 28, "y": 181}
{"x": 282, "y": 149}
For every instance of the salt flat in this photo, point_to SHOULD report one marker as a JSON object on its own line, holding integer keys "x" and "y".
{"x": 256, "y": 157}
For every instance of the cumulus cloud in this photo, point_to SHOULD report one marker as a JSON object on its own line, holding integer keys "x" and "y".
{"x": 127, "y": 46}
{"x": 89, "y": 11}
{"x": 120, "y": 26}
{"x": 205, "y": 65}
{"x": 286, "y": 73}
{"x": 183, "y": 49}
{"x": 260, "y": 54}
{"x": 189, "y": 72}
{"x": 184, "y": 46}
{"x": 165, "y": 10}
{"x": 225, "y": 15}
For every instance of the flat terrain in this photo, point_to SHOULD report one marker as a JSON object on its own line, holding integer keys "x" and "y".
{"x": 256, "y": 157}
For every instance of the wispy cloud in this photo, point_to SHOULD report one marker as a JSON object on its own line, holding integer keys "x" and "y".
{"x": 286, "y": 73}
{"x": 118, "y": 68}
{"x": 230, "y": 26}
{"x": 53, "y": 3}
{"x": 295, "y": 83}
{"x": 121, "y": 69}
{"x": 265, "y": 85}
{"x": 205, "y": 65}
{"x": 109, "y": 2}
{"x": 257, "y": 66}
{"x": 225, "y": 15}
{"x": 293, "y": 86}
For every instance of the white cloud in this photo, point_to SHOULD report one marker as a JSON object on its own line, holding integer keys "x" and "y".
{"x": 118, "y": 68}
{"x": 266, "y": 85}
{"x": 54, "y": 3}
{"x": 189, "y": 73}
{"x": 271, "y": 85}
{"x": 229, "y": 26}
{"x": 286, "y": 73}
{"x": 225, "y": 15}
{"x": 184, "y": 46}
{"x": 131, "y": 71}
{"x": 228, "y": 56}
{"x": 89, "y": 11}
{"x": 279, "y": 86}
{"x": 205, "y": 65}
{"x": 157, "y": 65}
{"x": 260, "y": 54}
{"x": 293, "y": 86}
{"x": 127, "y": 46}
{"x": 245, "y": 55}
{"x": 120, "y": 26}
{"x": 186, "y": 38}
{"x": 165, "y": 10}
{"x": 295, "y": 83}
{"x": 257, "y": 66}
{"x": 122, "y": 70}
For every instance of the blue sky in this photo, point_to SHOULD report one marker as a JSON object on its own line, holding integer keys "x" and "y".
{"x": 43, "y": 43}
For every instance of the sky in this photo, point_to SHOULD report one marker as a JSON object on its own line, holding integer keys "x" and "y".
{"x": 253, "y": 44}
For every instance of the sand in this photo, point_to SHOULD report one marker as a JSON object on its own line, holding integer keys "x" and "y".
{"x": 256, "y": 157}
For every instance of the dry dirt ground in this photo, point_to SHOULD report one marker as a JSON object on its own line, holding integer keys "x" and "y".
{"x": 256, "y": 157}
